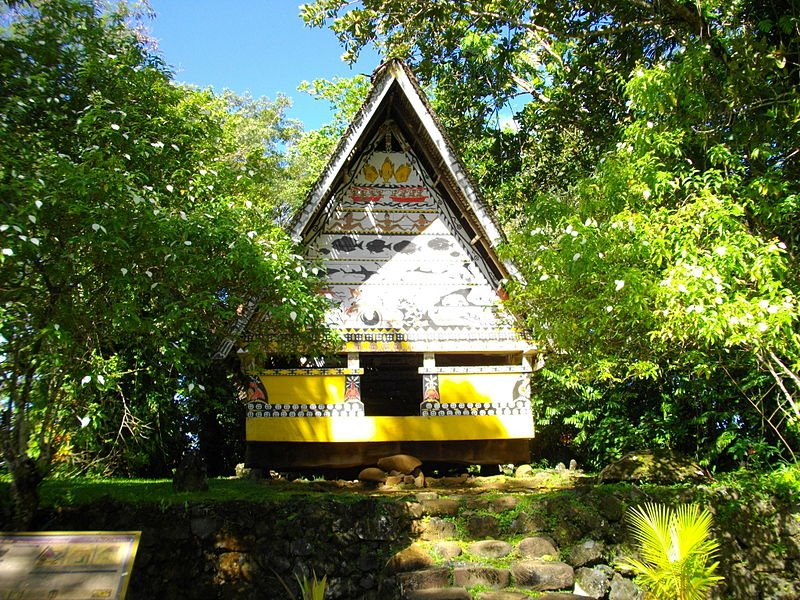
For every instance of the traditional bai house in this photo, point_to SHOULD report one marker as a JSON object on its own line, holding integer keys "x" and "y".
{"x": 431, "y": 364}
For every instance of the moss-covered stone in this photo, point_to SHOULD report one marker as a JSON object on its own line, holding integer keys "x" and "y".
{"x": 658, "y": 466}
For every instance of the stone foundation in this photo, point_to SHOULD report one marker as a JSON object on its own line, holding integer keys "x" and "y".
{"x": 431, "y": 544}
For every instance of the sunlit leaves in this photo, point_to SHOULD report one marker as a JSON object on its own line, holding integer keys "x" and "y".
{"x": 676, "y": 548}
{"x": 125, "y": 253}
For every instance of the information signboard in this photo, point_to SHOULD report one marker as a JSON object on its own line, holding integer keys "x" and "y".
{"x": 66, "y": 565}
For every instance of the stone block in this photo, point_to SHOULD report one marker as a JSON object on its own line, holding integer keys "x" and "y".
{"x": 593, "y": 583}
{"x": 372, "y": 475}
{"x": 230, "y": 566}
{"x": 394, "y": 480}
{"x": 474, "y": 575}
{"x": 203, "y": 527}
{"x": 523, "y": 472}
{"x": 660, "y": 466}
{"x": 412, "y": 509}
{"x": 483, "y": 526}
{"x": 624, "y": 589}
{"x": 433, "y": 529}
{"x": 225, "y": 540}
{"x": 503, "y": 595}
{"x": 440, "y": 507}
{"x": 423, "y": 580}
{"x": 503, "y": 503}
{"x": 587, "y": 552}
{"x": 527, "y": 523}
{"x": 413, "y": 558}
{"x": 541, "y": 575}
{"x": 447, "y": 550}
{"x": 439, "y": 594}
{"x": 421, "y": 496}
{"x": 375, "y": 528}
{"x": 536, "y": 547}
{"x": 610, "y": 506}
{"x": 490, "y": 549}
{"x": 777, "y": 586}
{"x": 402, "y": 463}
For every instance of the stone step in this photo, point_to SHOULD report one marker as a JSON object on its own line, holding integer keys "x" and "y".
{"x": 542, "y": 575}
{"x": 425, "y": 579}
{"x": 503, "y": 595}
{"x": 444, "y": 593}
{"x": 475, "y": 575}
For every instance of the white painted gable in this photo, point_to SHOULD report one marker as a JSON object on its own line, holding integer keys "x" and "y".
{"x": 406, "y": 242}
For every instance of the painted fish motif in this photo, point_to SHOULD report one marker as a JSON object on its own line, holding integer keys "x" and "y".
{"x": 377, "y": 246}
{"x": 363, "y": 272}
{"x": 346, "y": 244}
{"x": 440, "y": 243}
{"x": 405, "y": 247}
{"x": 456, "y": 298}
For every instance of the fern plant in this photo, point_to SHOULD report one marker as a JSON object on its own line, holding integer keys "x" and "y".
{"x": 676, "y": 548}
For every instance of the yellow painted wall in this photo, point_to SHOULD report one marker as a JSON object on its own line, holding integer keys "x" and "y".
{"x": 476, "y": 387}
{"x": 306, "y": 389}
{"x": 379, "y": 429}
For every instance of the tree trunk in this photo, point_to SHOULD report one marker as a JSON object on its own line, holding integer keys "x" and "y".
{"x": 25, "y": 480}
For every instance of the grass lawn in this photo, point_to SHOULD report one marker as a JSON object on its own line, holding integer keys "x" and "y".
{"x": 84, "y": 490}
{"x": 782, "y": 482}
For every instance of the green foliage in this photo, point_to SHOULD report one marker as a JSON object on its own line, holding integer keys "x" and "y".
{"x": 650, "y": 179}
{"x": 311, "y": 152}
{"x": 138, "y": 217}
{"x": 782, "y": 482}
{"x": 676, "y": 547}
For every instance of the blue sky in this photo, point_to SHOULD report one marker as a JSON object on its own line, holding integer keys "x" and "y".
{"x": 256, "y": 46}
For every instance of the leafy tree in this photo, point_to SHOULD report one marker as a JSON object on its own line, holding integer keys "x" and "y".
{"x": 651, "y": 181}
{"x": 132, "y": 232}
{"x": 557, "y": 67}
{"x": 311, "y": 152}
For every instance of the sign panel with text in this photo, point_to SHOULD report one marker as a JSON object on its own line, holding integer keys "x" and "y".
{"x": 66, "y": 565}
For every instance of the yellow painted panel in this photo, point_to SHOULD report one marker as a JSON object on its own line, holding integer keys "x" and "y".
{"x": 476, "y": 387}
{"x": 385, "y": 429}
{"x": 306, "y": 389}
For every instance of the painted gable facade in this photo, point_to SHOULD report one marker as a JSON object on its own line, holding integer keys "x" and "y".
{"x": 400, "y": 271}
{"x": 431, "y": 363}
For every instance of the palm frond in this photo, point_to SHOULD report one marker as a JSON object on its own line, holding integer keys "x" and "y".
{"x": 675, "y": 547}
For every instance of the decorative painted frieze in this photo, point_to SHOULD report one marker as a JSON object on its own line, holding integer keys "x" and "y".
{"x": 351, "y": 408}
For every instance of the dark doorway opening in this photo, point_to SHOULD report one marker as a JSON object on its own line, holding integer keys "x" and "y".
{"x": 391, "y": 385}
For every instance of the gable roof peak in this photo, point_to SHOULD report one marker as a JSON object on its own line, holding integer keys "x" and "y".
{"x": 395, "y": 93}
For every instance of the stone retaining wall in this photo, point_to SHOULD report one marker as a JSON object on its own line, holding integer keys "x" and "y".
{"x": 430, "y": 544}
